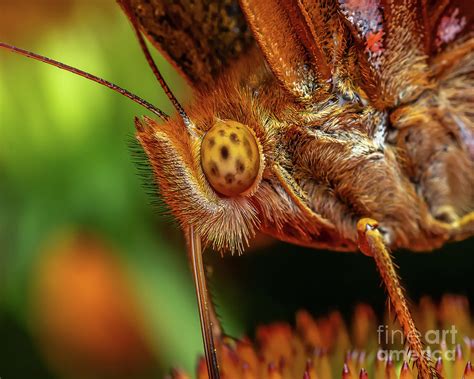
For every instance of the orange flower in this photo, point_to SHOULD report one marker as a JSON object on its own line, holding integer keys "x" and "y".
{"x": 326, "y": 348}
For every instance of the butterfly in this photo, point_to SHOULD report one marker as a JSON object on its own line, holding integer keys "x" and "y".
{"x": 336, "y": 124}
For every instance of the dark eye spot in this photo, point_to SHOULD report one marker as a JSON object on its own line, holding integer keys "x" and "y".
{"x": 224, "y": 152}
{"x": 234, "y": 138}
{"x": 212, "y": 142}
{"x": 214, "y": 169}
{"x": 239, "y": 166}
{"x": 229, "y": 178}
{"x": 248, "y": 149}
{"x": 222, "y": 132}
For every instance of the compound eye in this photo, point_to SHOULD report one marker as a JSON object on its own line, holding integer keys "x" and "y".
{"x": 230, "y": 158}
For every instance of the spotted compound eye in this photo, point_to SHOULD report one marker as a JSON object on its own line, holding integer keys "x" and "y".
{"x": 230, "y": 158}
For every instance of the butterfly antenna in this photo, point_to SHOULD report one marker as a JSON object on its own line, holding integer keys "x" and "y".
{"x": 131, "y": 16}
{"x": 86, "y": 75}
{"x": 204, "y": 304}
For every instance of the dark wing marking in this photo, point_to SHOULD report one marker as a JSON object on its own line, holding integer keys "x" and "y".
{"x": 200, "y": 38}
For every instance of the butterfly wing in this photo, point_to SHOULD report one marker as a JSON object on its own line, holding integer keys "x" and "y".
{"x": 293, "y": 36}
{"x": 306, "y": 42}
{"x": 315, "y": 46}
{"x": 200, "y": 38}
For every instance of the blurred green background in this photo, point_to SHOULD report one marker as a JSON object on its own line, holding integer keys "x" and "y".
{"x": 94, "y": 283}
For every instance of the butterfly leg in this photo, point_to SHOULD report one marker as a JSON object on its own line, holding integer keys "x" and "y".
{"x": 371, "y": 243}
{"x": 298, "y": 196}
{"x": 204, "y": 304}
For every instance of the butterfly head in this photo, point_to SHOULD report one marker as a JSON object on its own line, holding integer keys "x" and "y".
{"x": 208, "y": 173}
